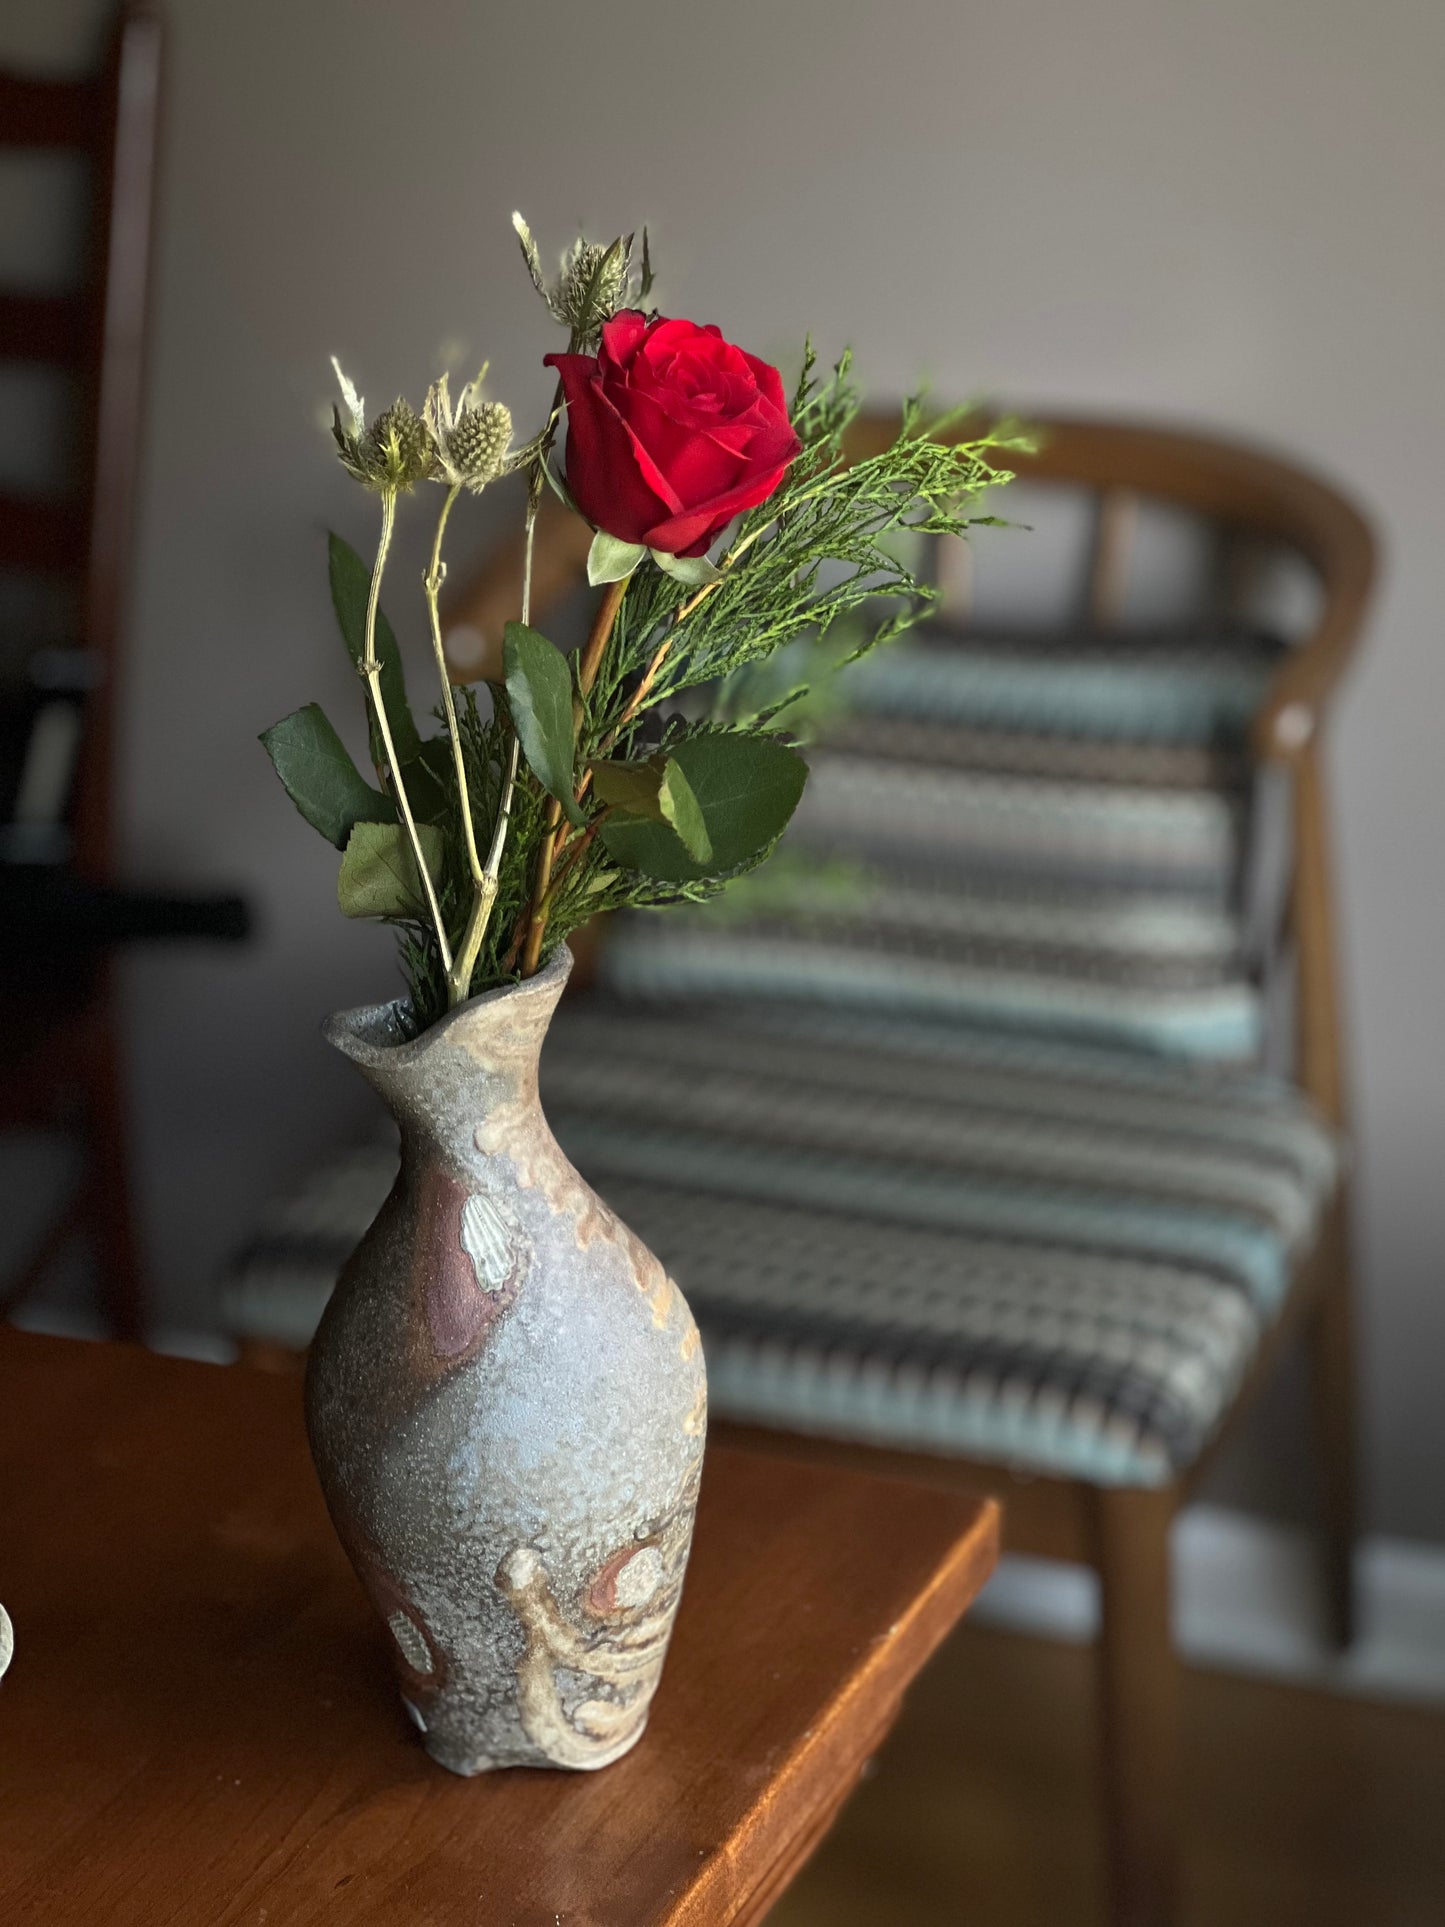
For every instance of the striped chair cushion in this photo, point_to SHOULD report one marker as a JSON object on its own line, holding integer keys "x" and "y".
{"x": 1057, "y": 834}
{"x": 1048, "y": 1255}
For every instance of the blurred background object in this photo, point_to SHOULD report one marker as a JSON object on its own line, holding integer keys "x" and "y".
{"x": 64, "y": 571}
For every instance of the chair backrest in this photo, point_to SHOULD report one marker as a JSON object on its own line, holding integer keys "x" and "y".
{"x": 1248, "y": 494}
{"x": 1249, "y": 498}
{"x": 96, "y": 335}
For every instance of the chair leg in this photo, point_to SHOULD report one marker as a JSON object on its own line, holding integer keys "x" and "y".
{"x": 1332, "y": 1393}
{"x": 1138, "y": 1702}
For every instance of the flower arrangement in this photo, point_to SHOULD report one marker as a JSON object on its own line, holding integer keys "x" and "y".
{"x": 730, "y": 524}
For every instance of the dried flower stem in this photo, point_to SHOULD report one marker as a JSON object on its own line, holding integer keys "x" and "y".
{"x": 371, "y": 671}
{"x": 459, "y": 974}
{"x": 488, "y": 879}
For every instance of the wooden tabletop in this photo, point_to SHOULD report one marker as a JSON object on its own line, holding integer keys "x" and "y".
{"x": 199, "y": 1728}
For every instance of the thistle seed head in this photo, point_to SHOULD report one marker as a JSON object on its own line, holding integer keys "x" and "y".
{"x": 475, "y": 451}
{"x": 400, "y": 446}
{"x": 397, "y": 450}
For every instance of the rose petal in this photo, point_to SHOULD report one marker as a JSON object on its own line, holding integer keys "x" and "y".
{"x": 695, "y": 528}
{"x": 621, "y": 337}
{"x": 604, "y": 473}
{"x": 770, "y": 383}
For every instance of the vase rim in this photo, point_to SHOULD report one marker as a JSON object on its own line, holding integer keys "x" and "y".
{"x": 362, "y": 1033}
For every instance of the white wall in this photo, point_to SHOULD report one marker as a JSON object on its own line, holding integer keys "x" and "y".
{"x": 1229, "y": 212}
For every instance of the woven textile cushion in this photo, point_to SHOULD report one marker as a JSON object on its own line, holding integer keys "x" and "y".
{"x": 1062, "y": 834}
{"x": 1043, "y": 1254}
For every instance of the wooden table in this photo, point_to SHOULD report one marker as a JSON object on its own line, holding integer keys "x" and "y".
{"x": 199, "y": 1728}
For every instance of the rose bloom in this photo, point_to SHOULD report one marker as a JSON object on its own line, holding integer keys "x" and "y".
{"x": 671, "y": 432}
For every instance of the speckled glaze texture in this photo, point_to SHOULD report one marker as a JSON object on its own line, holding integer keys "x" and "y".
{"x": 506, "y": 1404}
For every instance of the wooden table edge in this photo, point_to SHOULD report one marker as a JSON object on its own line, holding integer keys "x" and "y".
{"x": 904, "y": 1651}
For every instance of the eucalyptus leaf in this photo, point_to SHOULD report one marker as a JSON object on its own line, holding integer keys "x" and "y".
{"x": 745, "y": 788}
{"x": 612, "y": 560}
{"x": 539, "y": 690}
{"x": 378, "y": 871}
{"x": 320, "y": 777}
{"x": 694, "y": 570}
{"x": 350, "y": 592}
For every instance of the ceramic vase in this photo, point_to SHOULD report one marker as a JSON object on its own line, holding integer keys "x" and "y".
{"x": 506, "y": 1405}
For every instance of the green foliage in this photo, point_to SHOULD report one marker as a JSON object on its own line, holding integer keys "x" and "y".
{"x": 610, "y": 559}
{"x": 691, "y": 570}
{"x": 350, "y": 588}
{"x": 744, "y": 787}
{"x": 320, "y": 777}
{"x": 659, "y": 792}
{"x": 677, "y": 771}
{"x": 430, "y": 783}
{"x": 378, "y": 872}
{"x": 539, "y": 689}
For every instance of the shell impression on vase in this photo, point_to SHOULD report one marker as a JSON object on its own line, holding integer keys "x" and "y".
{"x": 506, "y": 1403}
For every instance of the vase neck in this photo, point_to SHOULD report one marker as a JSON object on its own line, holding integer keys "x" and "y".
{"x": 478, "y": 1060}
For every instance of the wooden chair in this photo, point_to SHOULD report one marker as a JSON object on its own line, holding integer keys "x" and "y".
{"x": 64, "y": 911}
{"x": 1123, "y": 1532}
{"x": 1120, "y": 1529}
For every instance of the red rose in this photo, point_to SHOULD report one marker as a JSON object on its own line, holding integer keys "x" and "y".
{"x": 671, "y": 432}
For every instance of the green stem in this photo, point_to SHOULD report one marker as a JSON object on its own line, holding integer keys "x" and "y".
{"x": 371, "y": 671}
{"x": 592, "y": 655}
{"x": 491, "y": 874}
{"x": 484, "y": 889}
{"x": 432, "y": 582}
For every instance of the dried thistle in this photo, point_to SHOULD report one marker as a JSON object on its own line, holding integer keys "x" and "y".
{"x": 391, "y": 455}
{"x": 594, "y": 282}
{"x": 472, "y": 440}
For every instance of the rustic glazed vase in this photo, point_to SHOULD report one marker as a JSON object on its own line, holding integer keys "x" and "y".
{"x": 506, "y": 1405}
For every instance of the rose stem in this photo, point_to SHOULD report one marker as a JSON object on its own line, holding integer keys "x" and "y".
{"x": 639, "y": 695}
{"x": 586, "y": 675}
{"x": 371, "y": 671}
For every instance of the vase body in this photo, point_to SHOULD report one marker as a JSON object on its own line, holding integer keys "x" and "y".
{"x": 506, "y": 1405}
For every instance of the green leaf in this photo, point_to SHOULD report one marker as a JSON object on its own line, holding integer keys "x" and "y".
{"x": 350, "y": 590}
{"x": 657, "y": 790}
{"x": 610, "y": 559}
{"x": 745, "y": 788}
{"x": 539, "y": 689}
{"x": 430, "y": 783}
{"x": 320, "y": 777}
{"x": 694, "y": 570}
{"x": 560, "y": 488}
{"x": 683, "y": 811}
{"x": 632, "y": 787}
{"x": 378, "y": 872}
